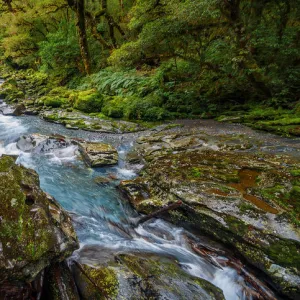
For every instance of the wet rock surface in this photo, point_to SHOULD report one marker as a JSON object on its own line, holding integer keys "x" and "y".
{"x": 16, "y": 110}
{"x": 98, "y": 154}
{"x": 35, "y": 231}
{"x": 41, "y": 143}
{"x": 245, "y": 199}
{"x": 59, "y": 283}
{"x": 102, "y": 274}
{"x": 78, "y": 120}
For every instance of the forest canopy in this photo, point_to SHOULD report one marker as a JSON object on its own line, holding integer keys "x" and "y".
{"x": 164, "y": 58}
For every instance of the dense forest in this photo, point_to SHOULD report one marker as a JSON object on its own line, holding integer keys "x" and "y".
{"x": 160, "y": 59}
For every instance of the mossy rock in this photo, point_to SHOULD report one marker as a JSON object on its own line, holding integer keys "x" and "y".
{"x": 96, "y": 283}
{"x": 237, "y": 198}
{"x": 53, "y": 101}
{"x": 138, "y": 276}
{"x": 87, "y": 101}
{"x": 34, "y": 230}
{"x": 98, "y": 154}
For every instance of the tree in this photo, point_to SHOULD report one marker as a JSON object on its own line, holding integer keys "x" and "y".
{"x": 79, "y": 7}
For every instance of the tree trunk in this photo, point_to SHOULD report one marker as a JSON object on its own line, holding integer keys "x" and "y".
{"x": 9, "y": 5}
{"x": 83, "y": 43}
{"x": 111, "y": 24}
{"x": 79, "y": 7}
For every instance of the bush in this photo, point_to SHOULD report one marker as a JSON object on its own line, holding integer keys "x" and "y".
{"x": 135, "y": 108}
{"x": 114, "y": 107}
{"x": 145, "y": 109}
{"x": 87, "y": 101}
{"x": 156, "y": 114}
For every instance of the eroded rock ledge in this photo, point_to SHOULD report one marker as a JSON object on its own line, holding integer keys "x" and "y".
{"x": 35, "y": 231}
{"x": 248, "y": 201}
{"x": 123, "y": 275}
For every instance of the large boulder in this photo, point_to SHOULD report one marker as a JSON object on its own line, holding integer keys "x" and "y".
{"x": 39, "y": 143}
{"x": 34, "y": 229}
{"x": 16, "y": 110}
{"x": 99, "y": 154}
{"x": 248, "y": 201}
{"x": 101, "y": 274}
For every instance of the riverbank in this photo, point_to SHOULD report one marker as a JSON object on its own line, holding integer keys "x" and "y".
{"x": 35, "y": 93}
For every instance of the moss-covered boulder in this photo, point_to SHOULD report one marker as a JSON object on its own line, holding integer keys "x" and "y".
{"x": 34, "y": 230}
{"x": 99, "y": 154}
{"x": 248, "y": 201}
{"x": 87, "y": 101}
{"x": 53, "y": 101}
{"x": 137, "y": 276}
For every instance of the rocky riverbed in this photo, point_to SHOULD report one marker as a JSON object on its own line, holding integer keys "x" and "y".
{"x": 237, "y": 187}
{"x": 244, "y": 198}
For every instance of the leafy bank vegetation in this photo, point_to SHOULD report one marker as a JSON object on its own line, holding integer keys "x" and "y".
{"x": 158, "y": 59}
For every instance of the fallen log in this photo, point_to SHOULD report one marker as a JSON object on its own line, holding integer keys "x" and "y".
{"x": 212, "y": 251}
{"x": 206, "y": 256}
{"x": 211, "y": 255}
{"x": 159, "y": 212}
{"x": 262, "y": 289}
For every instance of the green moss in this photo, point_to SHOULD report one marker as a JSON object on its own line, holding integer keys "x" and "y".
{"x": 87, "y": 101}
{"x": 6, "y": 162}
{"x": 280, "y": 121}
{"x": 231, "y": 176}
{"x": 246, "y": 207}
{"x": 157, "y": 272}
{"x": 105, "y": 279}
{"x": 277, "y": 193}
{"x": 52, "y": 117}
{"x": 295, "y": 193}
{"x": 236, "y": 225}
{"x": 17, "y": 225}
{"x": 210, "y": 289}
{"x": 286, "y": 253}
{"x": 295, "y": 172}
{"x": 284, "y": 122}
{"x": 54, "y": 101}
{"x": 61, "y": 91}
{"x": 196, "y": 172}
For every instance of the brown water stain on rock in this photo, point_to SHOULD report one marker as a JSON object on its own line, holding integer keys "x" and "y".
{"x": 248, "y": 180}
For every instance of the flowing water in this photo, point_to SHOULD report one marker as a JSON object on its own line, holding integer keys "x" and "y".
{"x": 95, "y": 208}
